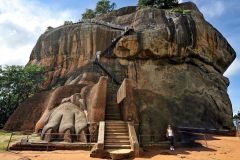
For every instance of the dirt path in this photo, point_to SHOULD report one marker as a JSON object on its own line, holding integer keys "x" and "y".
{"x": 219, "y": 148}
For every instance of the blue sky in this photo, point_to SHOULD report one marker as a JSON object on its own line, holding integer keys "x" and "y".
{"x": 23, "y": 21}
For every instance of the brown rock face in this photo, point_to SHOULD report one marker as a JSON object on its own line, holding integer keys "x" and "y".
{"x": 176, "y": 63}
{"x": 68, "y": 49}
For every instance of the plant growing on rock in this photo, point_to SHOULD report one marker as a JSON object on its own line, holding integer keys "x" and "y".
{"x": 88, "y": 14}
{"x": 142, "y": 3}
{"x": 181, "y": 11}
{"x": 163, "y": 4}
{"x": 17, "y": 83}
{"x": 102, "y": 7}
{"x": 68, "y": 22}
{"x": 49, "y": 28}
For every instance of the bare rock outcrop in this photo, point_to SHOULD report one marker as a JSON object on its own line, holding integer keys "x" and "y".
{"x": 68, "y": 49}
{"x": 175, "y": 61}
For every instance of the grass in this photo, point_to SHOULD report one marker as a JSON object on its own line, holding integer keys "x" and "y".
{"x": 5, "y": 137}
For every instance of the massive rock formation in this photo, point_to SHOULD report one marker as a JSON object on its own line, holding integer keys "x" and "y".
{"x": 175, "y": 61}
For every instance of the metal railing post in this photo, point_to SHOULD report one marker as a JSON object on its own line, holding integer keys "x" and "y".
{"x": 205, "y": 140}
{"x": 140, "y": 142}
{"x": 47, "y": 145}
{"x": 90, "y": 142}
{"x": 9, "y": 141}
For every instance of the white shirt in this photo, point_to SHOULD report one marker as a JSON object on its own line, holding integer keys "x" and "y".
{"x": 169, "y": 132}
{"x": 98, "y": 55}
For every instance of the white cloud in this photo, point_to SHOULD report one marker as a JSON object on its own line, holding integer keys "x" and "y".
{"x": 213, "y": 8}
{"x": 21, "y": 23}
{"x": 233, "y": 69}
{"x": 15, "y": 56}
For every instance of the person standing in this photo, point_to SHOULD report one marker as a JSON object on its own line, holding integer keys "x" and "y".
{"x": 98, "y": 54}
{"x": 170, "y": 136}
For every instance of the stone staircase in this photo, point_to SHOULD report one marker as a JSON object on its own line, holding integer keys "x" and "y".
{"x": 116, "y": 138}
{"x": 113, "y": 112}
{"x": 112, "y": 109}
{"x": 116, "y": 135}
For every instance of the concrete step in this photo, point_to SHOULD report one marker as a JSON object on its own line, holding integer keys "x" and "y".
{"x": 117, "y": 146}
{"x": 115, "y": 122}
{"x": 116, "y": 141}
{"x": 116, "y": 127}
{"x": 112, "y": 118}
{"x": 125, "y": 130}
{"x": 119, "y": 136}
{"x": 112, "y": 114}
{"x": 112, "y": 103}
{"x": 109, "y": 134}
{"x": 122, "y": 138}
{"x": 113, "y": 111}
{"x": 117, "y": 132}
{"x": 121, "y": 153}
{"x": 113, "y": 108}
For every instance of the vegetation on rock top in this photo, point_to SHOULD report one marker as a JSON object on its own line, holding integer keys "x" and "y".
{"x": 88, "y": 14}
{"x": 164, "y": 4}
{"x": 102, "y": 7}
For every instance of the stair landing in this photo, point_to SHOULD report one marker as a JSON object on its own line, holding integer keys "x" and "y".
{"x": 116, "y": 141}
{"x": 120, "y": 153}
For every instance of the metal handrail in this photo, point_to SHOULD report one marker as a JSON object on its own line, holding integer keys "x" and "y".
{"x": 108, "y": 73}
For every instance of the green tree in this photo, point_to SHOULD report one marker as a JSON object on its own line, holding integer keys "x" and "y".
{"x": 142, "y": 3}
{"x": 104, "y": 6}
{"x": 68, "y": 22}
{"x": 88, "y": 14}
{"x": 237, "y": 116}
{"x": 16, "y": 84}
{"x": 164, "y": 4}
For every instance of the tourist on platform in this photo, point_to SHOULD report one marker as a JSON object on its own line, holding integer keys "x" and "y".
{"x": 170, "y": 136}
